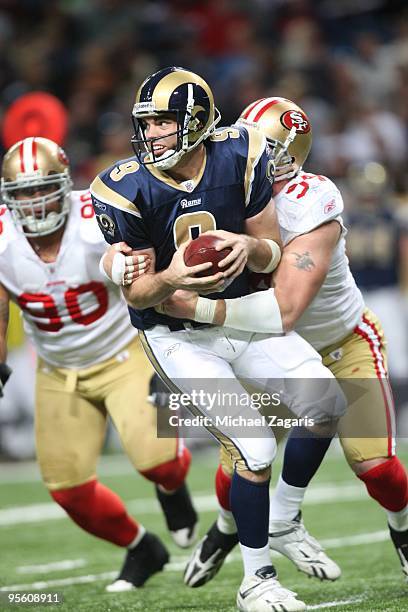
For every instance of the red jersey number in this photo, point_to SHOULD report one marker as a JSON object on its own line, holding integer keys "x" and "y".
{"x": 304, "y": 184}
{"x": 43, "y": 306}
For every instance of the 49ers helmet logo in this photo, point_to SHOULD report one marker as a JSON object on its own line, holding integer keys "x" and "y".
{"x": 296, "y": 119}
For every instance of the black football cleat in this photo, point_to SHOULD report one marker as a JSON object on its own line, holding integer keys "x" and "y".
{"x": 400, "y": 541}
{"x": 208, "y": 557}
{"x": 181, "y": 517}
{"x": 141, "y": 562}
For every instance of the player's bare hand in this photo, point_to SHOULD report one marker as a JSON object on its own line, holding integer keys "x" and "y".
{"x": 181, "y": 305}
{"x": 180, "y": 276}
{"x": 241, "y": 246}
{"x": 122, "y": 265}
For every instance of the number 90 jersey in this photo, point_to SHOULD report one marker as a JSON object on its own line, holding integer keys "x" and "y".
{"x": 147, "y": 208}
{"x": 73, "y": 315}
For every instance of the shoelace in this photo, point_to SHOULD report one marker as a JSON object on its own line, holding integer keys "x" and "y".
{"x": 273, "y": 584}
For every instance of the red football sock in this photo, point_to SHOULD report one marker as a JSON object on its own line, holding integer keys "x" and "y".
{"x": 99, "y": 511}
{"x": 387, "y": 484}
{"x": 222, "y": 488}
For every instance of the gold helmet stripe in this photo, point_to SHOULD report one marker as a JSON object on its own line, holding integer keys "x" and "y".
{"x": 165, "y": 87}
{"x": 105, "y": 194}
{"x": 256, "y": 146}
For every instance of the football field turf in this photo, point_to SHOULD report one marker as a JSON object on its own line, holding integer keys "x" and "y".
{"x": 42, "y": 551}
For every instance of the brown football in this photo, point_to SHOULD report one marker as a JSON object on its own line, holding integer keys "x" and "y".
{"x": 201, "y": 250}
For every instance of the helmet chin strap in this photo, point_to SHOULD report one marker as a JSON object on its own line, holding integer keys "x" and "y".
{"x": 169, "y": 159}
{"x": 290, "y": 138}
{"x": 42, "y": 225}
{"x": 287, "y": 171}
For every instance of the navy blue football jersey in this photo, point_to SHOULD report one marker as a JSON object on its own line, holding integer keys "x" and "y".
{"x": 147, "y": 208}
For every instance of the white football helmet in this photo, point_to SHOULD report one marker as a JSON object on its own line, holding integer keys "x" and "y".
{"x": 32, "y": 167}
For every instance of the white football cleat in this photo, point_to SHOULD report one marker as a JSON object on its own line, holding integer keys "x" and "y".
{"x": 120, "y": 586}
{"x": 263, "y": 592}
{"x": 291, "y": 539}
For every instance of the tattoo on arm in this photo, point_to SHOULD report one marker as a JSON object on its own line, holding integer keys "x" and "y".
{"x": 304, "y": 261}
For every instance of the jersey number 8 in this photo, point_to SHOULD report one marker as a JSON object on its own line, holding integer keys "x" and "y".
{"x": 191, "y": 225}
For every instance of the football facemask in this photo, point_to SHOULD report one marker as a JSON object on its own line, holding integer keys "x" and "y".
{"x": 35, "y": 176}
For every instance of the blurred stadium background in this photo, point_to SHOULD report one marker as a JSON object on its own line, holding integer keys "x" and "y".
{"x": 346, "y": 63}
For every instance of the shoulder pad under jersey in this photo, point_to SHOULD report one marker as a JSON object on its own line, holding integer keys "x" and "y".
{"x": 306, "y": 202}
{"x": 8, "y": 231}
{"x": 119, "y": 185}
{"x": 245, "y": 140}
{"x": 82, "y": 210}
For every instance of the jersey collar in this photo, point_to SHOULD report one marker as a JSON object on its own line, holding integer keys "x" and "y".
{"x": 187, "y": 186}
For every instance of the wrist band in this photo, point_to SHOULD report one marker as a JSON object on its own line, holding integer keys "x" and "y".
{"x": 118, "y": 268}
{"x": 275, "y": 256}
{"x": 205, "y": 310}
{"x": 101, "y": 267}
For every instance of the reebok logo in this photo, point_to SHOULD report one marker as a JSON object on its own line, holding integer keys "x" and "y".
{"x": 187, "y": 203}
{"x": 329, "y": 206}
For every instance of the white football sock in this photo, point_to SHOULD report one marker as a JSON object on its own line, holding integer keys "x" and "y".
{"x": 137, "y": 539}
{"x": 398, "y": 520}
{"x": 286, "y": 501}
{"x": 254, "y": 558}
{"x": 226, "y": 522}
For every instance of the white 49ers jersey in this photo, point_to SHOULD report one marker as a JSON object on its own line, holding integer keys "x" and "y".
{"x": 74, "y": 316}
{"x": 306, "y": 202}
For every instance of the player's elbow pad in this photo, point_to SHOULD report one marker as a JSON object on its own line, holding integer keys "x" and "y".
{"x": 258, "y": 312}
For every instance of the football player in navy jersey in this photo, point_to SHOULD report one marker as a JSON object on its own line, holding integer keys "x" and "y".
{"x": 185, "y": 179}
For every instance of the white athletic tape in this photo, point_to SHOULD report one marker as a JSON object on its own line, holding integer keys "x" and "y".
{"x": 275, "y": 256}
{"x": 118, "y": 268}
{"x": 258, "y": 312}
{"x": 102, "y": 269}
{"x": 205, "y": 310}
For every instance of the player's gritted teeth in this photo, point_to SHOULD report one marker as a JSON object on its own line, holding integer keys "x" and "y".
{"x": 158, "y": 149}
